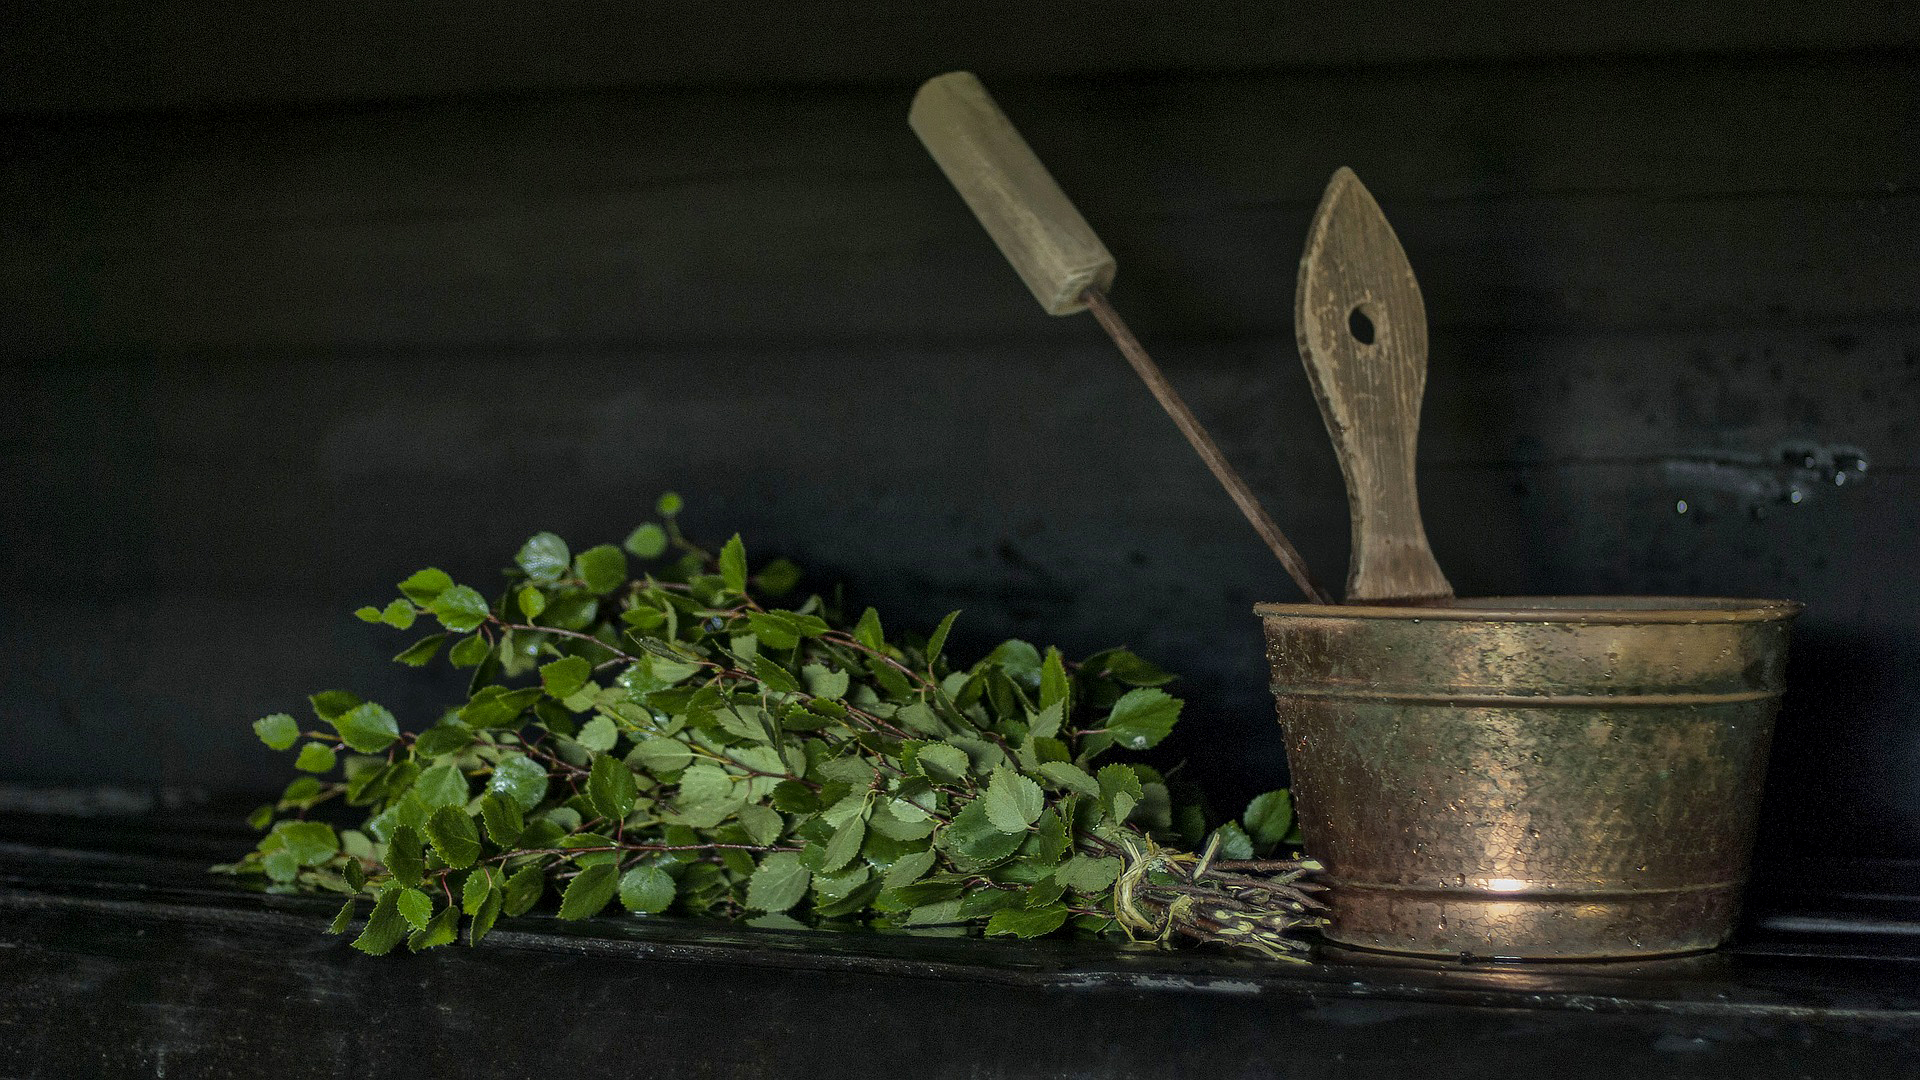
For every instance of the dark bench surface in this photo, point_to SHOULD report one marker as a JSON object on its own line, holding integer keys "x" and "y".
{"x": 120, "y": 955}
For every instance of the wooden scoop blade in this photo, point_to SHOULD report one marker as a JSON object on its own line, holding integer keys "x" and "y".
{"x": 1362, "y": 329}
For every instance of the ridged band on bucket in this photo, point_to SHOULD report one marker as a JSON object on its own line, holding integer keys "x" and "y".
{"x": 1556, "y": 777}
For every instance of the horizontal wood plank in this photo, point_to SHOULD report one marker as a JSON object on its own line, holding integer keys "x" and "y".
{"x": 1630, "y": 194}
{"x": 187, "y": 54}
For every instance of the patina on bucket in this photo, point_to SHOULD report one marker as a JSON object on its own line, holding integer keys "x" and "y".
{"x": 1535, "y": 778}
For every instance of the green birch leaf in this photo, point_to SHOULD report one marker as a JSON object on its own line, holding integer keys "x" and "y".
{"x": 763, "y": 824}
{"x": 453, "y": 836}
{"x": 523, "y": 890}
{"x": 1070, "y": 777}
{"x": 473, "y": 895}
{"x": 531, "y": 601}
{"x": 1127, "y": 668}
{"x": 503, "y": 819}
{"x": 973, "y": 842}
{"x": 1019, "y": 660}
{"x": 867, "y": 631}
{"x": 366, "y": 727}
{"x": 406, "y": 856}
{"x": 603, "y": 568}
{"x": 1044, "y": 893}
{"x": 646, "y": 890}
{"x": 938, "y": 913}
{"x": 1027, "y": 922}
{"x": 789, "y": 797}
{"x": 343, "y": 920}
{"x": 702, "y": 785}
{"x": 1087, "y": 874}
{"x": 469, "y": 652}
{"x": 1119, "y": 791}
{"x": 1045, "y": 724}
{"x": 564, "y": 677}
{"x": 669, "y": 505}
{"x": 920, "y": 717}
{"x": 660, "y": 755}
{"x": 368, "y": 614}
{"x": 1047, "y": 842}
{"x": 981, "y": 903}
{"x": 415, "y": 907}
{"x": 448, "y": 738}
{"x": 443, "y": 929}
{"x": 649, "y": 541}
{"x": 598, "y": 735}
{"x": 733, "y": 565}
{"x": 315, "y": 758}
{"x": 330, "y": 705}
{"x": 1235, "y": 844}
{"x": 398, "y": 615}
{"x": 442, "y": 785}
{"x": 483, "y": 919}
{"x": 545, "y": 558}
{"x": 589, "y": 891}
{"x": 1269, "y": 817}
{"x": 1055, "y": 684}
{"x": 385, "y": 928}
{"x": 942, "y": 763}
{"x": 823, "y": 681}
{"x": 1142, "y": 717}
{"x": 1012, "y": 801}
{"x": 777, "y": 578}
{"x": 771, "y": 631}
{"x": 495, "y": 706}
{"x": 459, "y": 609}
{"x": 310, "y": 843}
{"x": 519, "y": 778}
{"x": 778, "y": 883}
{"x": 939, "y": 639}
{"x": 845, "y": 844}
{"x": 909, "y": 868}
{"x": 425, "y": 587}
{"x": 418, "y": 653}
{"x": 281, "y": 867}
{"x": 777, "y": 678}
{"x": 610, "y": 787}
{"x": 279, "y": 731}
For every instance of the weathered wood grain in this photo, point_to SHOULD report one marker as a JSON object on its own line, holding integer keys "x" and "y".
{"x": 1627, "y": 194}
{"x": 1016, "y": 200}
{"x": 1362, "y": 331}
{"x": 103, "y": 54}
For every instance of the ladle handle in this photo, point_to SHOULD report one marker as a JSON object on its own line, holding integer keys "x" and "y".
{"x": 1362, "y": 330}
{"x": 1032, "y": 221}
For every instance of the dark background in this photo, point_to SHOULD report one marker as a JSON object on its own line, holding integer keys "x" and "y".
{"x": 297, "y": 301}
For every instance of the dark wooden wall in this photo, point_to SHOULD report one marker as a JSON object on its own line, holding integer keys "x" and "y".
{"x": 297, "y": 304}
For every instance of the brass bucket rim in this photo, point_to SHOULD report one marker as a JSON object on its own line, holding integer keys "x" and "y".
{"x": 1547, "y": 609}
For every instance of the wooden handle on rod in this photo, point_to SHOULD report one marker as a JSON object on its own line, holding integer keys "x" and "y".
{"x": 1057, "y": 254}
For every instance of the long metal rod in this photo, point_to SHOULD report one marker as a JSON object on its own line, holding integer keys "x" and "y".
{"x": 1203, "y": 445}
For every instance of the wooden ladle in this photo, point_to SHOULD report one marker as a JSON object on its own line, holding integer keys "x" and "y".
{"x": 1362, "y": 330}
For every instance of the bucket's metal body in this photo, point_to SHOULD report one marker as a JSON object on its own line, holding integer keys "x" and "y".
{"x": 1542, "y": 777}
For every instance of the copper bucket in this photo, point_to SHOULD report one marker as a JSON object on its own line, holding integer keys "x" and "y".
{"x": 1532, "y": 778}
